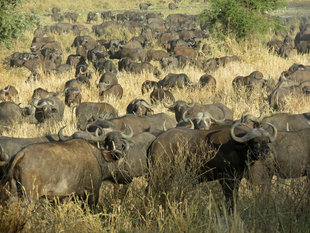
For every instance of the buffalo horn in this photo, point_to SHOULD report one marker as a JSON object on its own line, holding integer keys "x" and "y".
{"x": 256, "y": 132}
{"x": 192, "y": 124}
{"x": 6, "y": 89}
{"x": 275, "y": 132}
{"x": 184, "y": 118}
{"x": 63, "y": 138}
{"x": 127, "y": 135}
{"x": 3, "y": 155}
{"x": 113, "y": 146}
{"x": 80, "y": 70}
{"x": 169, "y": 106}
{"x": 164, "y": 126}
{"x": 249, "y": 117}
{"x": 191, "y": 104}
{"x": 126, "y": 145}
{"x": 41, "y": 105}
{"x": 207, "y": 115}
{"x": 248, "y": 136}
{"x": 145, "y": 104}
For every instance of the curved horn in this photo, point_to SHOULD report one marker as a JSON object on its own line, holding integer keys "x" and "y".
{"x": 171, "y": 106}
{"x": 88, "y": 136}
{"x": 146, "y": 104}
{"x": 164, "y": 126}
{"x": 127, "y": 145}
{"x": 248, "y": 136}
{"x": 51, "y": 102}
{"x": 113, "y": 146}
{"x": 208, "y": 115}
{"x": 127, "y": 135}
{"x": 75, "y": 91}
{"x": 80, "y": 70}
{"x": 192, "y": 124}
{"x": 43, "y": 103}
{"x": 3, "y": 156}
{"x": 191, "y": 104}
{"x": 6, "y": 89}
{"x": 275, "y": 132}
{"x": 260, "y": 118}
{"x": 184, "y": 118}
{"x": 106, "y": 83}
{"x": 63, "y": 138}
{"x": 250, "y": 117}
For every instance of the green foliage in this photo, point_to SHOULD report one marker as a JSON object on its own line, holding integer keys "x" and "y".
{"x": 242, "y": 18}
{"x": 13, "y": 22}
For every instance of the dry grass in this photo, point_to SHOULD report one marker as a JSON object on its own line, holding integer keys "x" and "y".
{"x": 188, "y": 207}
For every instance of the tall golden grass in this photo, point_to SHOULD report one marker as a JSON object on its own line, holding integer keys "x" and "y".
{"x": 188, "y": 207}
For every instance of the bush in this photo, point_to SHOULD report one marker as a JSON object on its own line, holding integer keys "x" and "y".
{"x": 241, "y": 18}
{"x": 13, "y": 22}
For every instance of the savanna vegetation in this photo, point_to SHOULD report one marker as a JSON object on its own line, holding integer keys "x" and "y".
{"x": 282, "y": 206}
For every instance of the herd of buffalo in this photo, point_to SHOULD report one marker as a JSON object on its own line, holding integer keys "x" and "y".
{"x": 107, "y": 146}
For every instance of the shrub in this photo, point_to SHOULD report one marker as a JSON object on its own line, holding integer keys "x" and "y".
{"x": 241, "y": 18}
{"x": 13, "y": 22}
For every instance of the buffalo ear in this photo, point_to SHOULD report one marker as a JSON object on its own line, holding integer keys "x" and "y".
{"x": 109, "y": 156}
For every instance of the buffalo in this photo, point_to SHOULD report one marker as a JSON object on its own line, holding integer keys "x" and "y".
{"x": 290, "y": 158}
{"x": 224, "y": 152}
{"x": 139, "y": 107}
{"x": 161, "y": 95}
{"x": 282, "y": 121}
{"x": 50, "y": 108}
{"x": 10, "y": 146}
{"x": 86, "y": 110}
{"x": 139, "y": 124}
{"x": 107, "y": 91}
{"x": 72, "y": 96}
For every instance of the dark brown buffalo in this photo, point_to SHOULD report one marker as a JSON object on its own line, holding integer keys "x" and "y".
{"x": 127, "y": 152}
{"x": 224, "y": 152}
{"x": 204, "y": 120}
{"x": 155, "y": 55}
{"x": 290, "y": 158}
{"x": 144, "y": 6}
{"x": 114, "y": 90}
{"x": 282, "y": 121}
{"x": 71, "y": 16}
{"x": 139, "y": 107}
{"x": 216, "y": 110}
{"x": 87, "y": 110}
{"x": 173, "y": 80}
{"x": 10, "y": 146}
{"x": 73, "y": 83}
{"x": 40, "y": 93}
{"x": 185, "y": 51}
{"x": 92, "y": 16}
{"x": 148, "y": 86}
{"x": 11, "y": 114}
{"x": 284, "y": 89}
{"x": 57, "y": 170}
{"x": 251, "y": 81}
{"x": 161, "y": 95}
{"x": 50, "y": 108}
{"x": 8, "y": 93}
{"x": 72, "y": 96}
{"x": 137, "y": 68}
{"x": 139, "y": 124}
{"x": 207, "y": 81}
{"x": 107, "y": 78}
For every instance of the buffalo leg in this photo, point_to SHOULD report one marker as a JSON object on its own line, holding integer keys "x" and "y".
{"x": 228, "y": 186}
